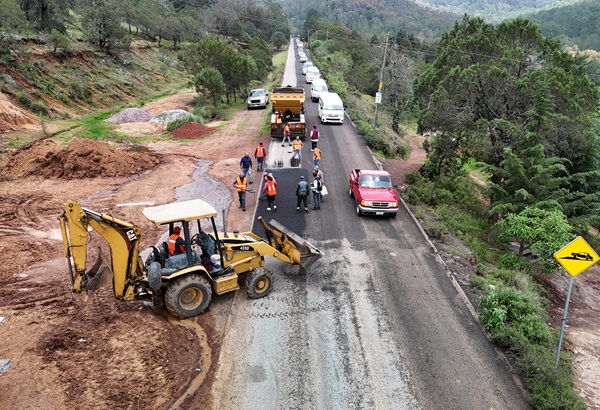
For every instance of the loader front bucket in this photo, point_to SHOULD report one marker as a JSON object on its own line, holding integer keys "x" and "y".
{"x": 290, "y": 243}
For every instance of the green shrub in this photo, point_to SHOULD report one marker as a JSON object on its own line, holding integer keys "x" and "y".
{"x": 78, "y": 91}
{"x": 39, "y": 107}
{"x": 413, "y": 178}
{"x": 435, "y": 229}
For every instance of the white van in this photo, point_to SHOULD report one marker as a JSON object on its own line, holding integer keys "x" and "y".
{"x": 317, "y": 88}
{"x": 305, "y": 66}
{"x": 331, "y": 108}
{"x": 312, "y": 73}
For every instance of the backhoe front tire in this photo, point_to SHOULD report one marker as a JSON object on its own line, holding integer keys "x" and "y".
{"x": 188, "y": 296}
{"x": 259, "y": 283}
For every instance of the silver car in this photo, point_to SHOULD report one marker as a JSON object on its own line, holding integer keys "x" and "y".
{"x": 258, "y": 98}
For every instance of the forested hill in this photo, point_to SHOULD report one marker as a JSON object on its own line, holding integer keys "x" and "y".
{"x": 493, "y": 10}
{"x": 375, "y": 16}
{"x": 576, "y": 24}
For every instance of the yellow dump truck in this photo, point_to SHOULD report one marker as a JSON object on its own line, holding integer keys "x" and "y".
{"x": 213, "y": 261}
{"x": 289, "y": 101}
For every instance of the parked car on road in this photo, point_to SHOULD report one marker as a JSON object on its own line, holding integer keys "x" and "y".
{"x": 305, "y": 66}
{"x": 331, "y": 108}
{"x": 317, "y": 88}
{"x": 374, "y": 192}
{"x": 312, "y": 73}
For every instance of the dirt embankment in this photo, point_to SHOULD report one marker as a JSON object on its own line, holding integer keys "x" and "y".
{"x": 90, "y": 350}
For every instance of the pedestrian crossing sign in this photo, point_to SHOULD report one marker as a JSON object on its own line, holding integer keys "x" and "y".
{"x": 577, "y": 256}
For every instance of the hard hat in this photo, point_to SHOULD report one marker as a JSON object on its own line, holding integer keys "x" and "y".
{"x": 176, "y": 229}
{"x": 241, "y": 175}
{"x": 301, "y": 176}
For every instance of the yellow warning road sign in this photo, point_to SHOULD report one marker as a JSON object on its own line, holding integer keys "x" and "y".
{"x": 577, "y": 256}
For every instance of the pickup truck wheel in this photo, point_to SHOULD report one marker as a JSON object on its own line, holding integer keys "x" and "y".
{"x": 188, "y": 296}
{"x": 350, "y": 192}
{"x": 259, "y": 283}
{"x": 358, "y": 210}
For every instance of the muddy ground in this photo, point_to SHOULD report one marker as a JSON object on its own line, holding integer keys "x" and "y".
{"x": 90, "y": 351}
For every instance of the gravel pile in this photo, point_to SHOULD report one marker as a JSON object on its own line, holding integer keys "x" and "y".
{"x": 131, "y": 115}
{"x": 169, "y": 116}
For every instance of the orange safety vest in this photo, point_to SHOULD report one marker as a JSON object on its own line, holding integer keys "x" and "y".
{"x": 171, "y": 243}
{"x": 278, "y": 118}
{"x": 317, "y": 154}
{"x": 287, "y": 130}
{"x": 298, "y": 145}
{"x": 260, "y": 151}
{"x": 271, "y": 188}
{"x": 241, "y": 184}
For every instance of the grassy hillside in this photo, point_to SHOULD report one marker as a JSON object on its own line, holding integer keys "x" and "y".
{"x": 66, "y": 86}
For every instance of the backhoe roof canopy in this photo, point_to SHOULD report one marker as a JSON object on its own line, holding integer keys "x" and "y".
{"x": 179, "y": 211}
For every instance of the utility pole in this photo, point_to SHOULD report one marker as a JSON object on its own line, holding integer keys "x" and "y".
{"x": 380, "y": 82}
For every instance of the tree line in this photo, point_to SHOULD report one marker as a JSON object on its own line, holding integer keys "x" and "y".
{"x": 111, "y": 25}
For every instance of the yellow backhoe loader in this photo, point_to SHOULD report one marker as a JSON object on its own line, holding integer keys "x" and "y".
{"x": 212, "y": 262}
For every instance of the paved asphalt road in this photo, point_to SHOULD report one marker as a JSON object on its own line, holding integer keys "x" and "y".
{"x": 376, "y": 323}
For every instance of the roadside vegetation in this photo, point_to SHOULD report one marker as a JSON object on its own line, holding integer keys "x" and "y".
{"x": 530, "y": 133}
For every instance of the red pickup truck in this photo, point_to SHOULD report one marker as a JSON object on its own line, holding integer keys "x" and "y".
{"x": 374, "y": 192}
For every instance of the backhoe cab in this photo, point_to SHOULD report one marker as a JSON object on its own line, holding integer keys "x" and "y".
{"x": 213, "y": 262}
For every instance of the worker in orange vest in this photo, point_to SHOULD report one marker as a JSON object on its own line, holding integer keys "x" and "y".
{"x": 240, "y": 183}
{"x": 260, "y": 153}
{"x": 298, "y": 145}
{"x": 316, "y": 156}
{"x": 175, "y": 243}
{"x": 271, "y": 190}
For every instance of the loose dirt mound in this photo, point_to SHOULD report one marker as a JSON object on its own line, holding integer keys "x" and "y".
{"x": 12, "y": 117}
{"x": 192, "y": 130}
{"x": 131, "y": 115}
{"x": 80, "y": 159}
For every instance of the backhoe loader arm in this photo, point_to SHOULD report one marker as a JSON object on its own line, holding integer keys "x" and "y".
{"x": 122, "y": 237}
{"x": 288, "y": 246}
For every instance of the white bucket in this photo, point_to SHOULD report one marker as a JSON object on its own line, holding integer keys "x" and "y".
{"x": 216, "y": 261}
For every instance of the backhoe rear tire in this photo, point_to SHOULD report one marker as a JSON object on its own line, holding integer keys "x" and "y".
{"x": 259, "y": 283}
{"x": 188, "y": 296}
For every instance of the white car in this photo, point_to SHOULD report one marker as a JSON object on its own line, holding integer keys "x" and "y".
{"x": 258, "y": 98}
{"x": 305, "y": 66}
{"x": 312, "y": 73}
{"x": 318, "y": 88}
{"x": 303, "y": 58}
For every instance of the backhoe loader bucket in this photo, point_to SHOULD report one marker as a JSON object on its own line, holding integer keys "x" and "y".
{"x": 287, "y": 241}
{"x": 97, "y": 276}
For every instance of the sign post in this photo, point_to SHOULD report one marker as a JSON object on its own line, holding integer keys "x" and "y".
{"x": 575, "y": 257}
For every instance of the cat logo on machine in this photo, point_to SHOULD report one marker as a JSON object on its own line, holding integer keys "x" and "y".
{"x": 577, "y": 256}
